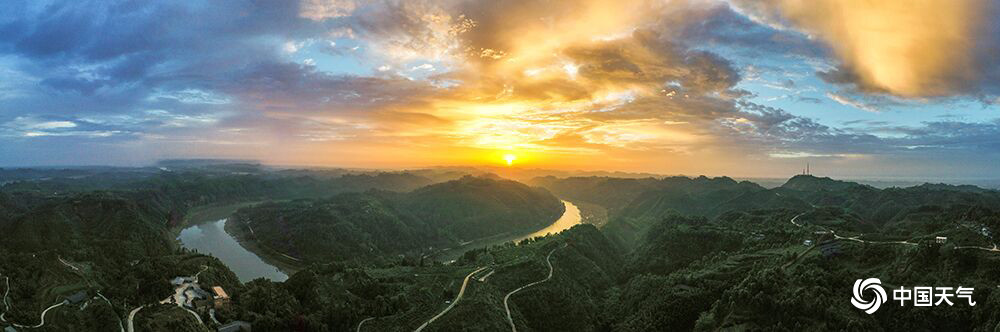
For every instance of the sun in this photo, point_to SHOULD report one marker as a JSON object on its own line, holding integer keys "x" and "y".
{"x": 509, "y": 158}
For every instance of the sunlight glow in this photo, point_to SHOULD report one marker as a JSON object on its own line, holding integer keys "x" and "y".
{"x": 571, "y": 70}
{"x": 509, "y": 158}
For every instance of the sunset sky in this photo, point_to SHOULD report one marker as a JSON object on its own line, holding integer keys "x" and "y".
{"x": 740, "y": 88}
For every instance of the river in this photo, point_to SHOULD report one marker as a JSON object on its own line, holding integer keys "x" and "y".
{"x": 211, "y": 238}
{"x": 568, "y": 219}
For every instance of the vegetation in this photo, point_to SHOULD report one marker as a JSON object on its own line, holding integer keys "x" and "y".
{"x": 69, "y": 231}
{"x": 674, "y": 253}
{"x": 375, "y": 224}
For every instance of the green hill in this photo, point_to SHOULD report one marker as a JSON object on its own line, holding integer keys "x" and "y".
{"x": 474, "y": 207}
{"x": 374, "y": 224}
{"x": 813, "y": 183}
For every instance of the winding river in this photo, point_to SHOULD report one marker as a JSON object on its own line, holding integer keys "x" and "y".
{"x": 568, "y": 219}
{"x": 211, "y": 238}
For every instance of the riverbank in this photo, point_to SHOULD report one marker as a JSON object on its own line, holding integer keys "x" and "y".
{"x": 569, "y": 218}
{"x": 207, "y": 213}
{"x": 270, "y": 256}
{"x": 592, "y": 214}
{"x": 198, "y": 219}
{"x": 212, "y": 239}
{"x": 290, "y": 265}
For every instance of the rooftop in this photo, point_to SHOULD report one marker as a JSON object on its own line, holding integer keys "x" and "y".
{"x": 219, "y": 292}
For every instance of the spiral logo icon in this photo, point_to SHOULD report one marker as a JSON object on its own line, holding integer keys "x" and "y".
{"x": 872, "y": 284}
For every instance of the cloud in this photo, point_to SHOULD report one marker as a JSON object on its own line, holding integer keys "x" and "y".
{"x": 426, "y": 67}
{"x": 54, "y": 125}
{"x": 910, "y": 49}
{"x": 641, "y": 84}
{"x": 324, "y": 9}
{"x": 852, "y": 103}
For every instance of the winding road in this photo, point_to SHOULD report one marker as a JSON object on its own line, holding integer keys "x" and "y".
{"x": 42, "y": 323}
{"x": 461, "y": 292}
{"x": 131, "y": 314}
{"x": 363, "y": 322}
{"x": 856, "y": 238}
{"x": 131, "y": 317}
{"x": 6, "y": 305}
{"x": 506, "y": 305}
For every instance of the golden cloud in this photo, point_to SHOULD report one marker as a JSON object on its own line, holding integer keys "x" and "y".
{"x": 919, "y": 48}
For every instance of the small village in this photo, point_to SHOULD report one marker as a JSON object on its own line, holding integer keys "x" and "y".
{"x": 191, "y": 297}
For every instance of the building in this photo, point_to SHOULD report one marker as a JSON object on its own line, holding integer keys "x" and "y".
{"x": 181, "y": 280}
{"x": 76, "y": 297}
{"x": 220, "y": 298}
{"x": 235, "y": 326}
{"x": 940, "y": 239}
{"x": 9, "y": 329}
{"x": 191, "y": 295}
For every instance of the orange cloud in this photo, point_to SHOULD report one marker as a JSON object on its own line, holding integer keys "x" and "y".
{"x": 918, "y": 48}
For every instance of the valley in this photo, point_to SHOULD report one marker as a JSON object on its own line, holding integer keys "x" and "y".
{"x": 477, "y": 252}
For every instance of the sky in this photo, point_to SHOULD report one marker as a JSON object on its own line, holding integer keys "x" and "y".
{"x": 855, "y": 88}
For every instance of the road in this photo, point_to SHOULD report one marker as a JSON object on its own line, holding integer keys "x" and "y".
{"x": 120, "y": 325}
{"x": 994, "y": 249}
{"x": 42, "y": 323}
{"x": 506, "y": 305}
{"x": 194, "y": 280}
{"x": 483, "y": 278}
{"x": 461, "y": 292}
{"x": 856, "y": 239}
{"x": 131, "y": 318}
{"x": 69, "y": 265}
{"x": 6, "y": 305}
{"x": 195, "y": 314}
{"x": 203, "y": 269}
{"x": 363, "y": 322}
{"x": 797, "y": 217}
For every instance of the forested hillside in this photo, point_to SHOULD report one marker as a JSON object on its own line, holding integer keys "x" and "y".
{"x": 402, "y": 297}
{"x": 109, "y": 232}
{"x": 676, "y": 254}
{"x": 374, "y": 224}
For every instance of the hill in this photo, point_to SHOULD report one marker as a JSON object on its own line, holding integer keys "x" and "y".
{"x": 813, "y": 183}
{"x": 375, "y": 223}
{"x": 338, "y": 296}
{"x": 474, "y": 207}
